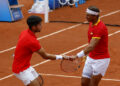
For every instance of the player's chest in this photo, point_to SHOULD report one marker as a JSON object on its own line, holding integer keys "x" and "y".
{"x": 91, "y": 32}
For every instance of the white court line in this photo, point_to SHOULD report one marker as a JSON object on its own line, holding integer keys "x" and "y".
{"x": 68, "y": 76}
{"x": 51, "y": 34}
{"x": 62, "y": 54}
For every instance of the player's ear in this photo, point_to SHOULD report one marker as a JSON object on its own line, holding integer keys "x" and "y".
{"x": 97, "y": 17}
{"x": 33, "y": 28}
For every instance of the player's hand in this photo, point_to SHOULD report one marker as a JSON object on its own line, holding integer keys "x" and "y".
{"x": 73, "y": 57}
{"x": 66, "y": 57}
{"x": 69, "y": 57}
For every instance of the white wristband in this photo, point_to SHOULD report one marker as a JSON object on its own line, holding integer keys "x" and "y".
{"x": 81, "y": 54}
{"x": 58, "y": 57}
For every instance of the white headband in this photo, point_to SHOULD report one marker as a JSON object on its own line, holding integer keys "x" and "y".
{"x": 92, "y": 12}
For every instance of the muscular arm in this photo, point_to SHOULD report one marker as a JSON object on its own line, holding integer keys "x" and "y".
{"x": 91, "y": 46}
{"x": 46, "y": 55}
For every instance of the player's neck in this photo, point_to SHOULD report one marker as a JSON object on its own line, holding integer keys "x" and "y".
{"x": 33, "y": 31}
{"x": 94, "y": 22}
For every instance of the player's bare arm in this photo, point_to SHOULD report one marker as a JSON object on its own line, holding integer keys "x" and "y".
{"x": 91, "y": 46}
{"x": 88, "y": 49}
{"x": 46, "y": 55}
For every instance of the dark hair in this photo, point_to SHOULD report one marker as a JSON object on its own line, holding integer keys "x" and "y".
{"x": 33, "y": 21}
{"x": 93, "y": 8}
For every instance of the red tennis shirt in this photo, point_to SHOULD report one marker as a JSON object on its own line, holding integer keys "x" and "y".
{"x": 27, "y": 44}
{"x": 99, "y": 31}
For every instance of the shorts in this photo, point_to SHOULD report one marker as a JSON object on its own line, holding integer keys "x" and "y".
{"x": 27, "y": 75}
{"x": 95, "y": 67}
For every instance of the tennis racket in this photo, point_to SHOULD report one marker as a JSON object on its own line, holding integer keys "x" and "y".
{"x": 71, "y": 65}
{"x": 41, "y": 81}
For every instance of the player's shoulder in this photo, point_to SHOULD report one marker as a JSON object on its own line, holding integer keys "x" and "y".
{"x": 26, "y": 36}
{"x": 32, "y": 39}
{"x": 24, "y": 31}
{"x": 33, "y": 43}
{"x": 102, "y": 26}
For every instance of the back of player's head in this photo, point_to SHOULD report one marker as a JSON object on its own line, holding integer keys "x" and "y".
{"x": 33, "y": 21}
{"x": 93, "y": 8}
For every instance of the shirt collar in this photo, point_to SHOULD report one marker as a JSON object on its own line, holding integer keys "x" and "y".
{"x": 97, "y": 22}
{"x": 31, "y": 33}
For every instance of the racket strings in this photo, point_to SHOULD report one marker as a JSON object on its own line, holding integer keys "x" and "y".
{"x": 70, "y": 66}
{"x": 41, "y": 81}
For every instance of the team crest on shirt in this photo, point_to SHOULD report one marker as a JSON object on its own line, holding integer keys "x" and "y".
{"x": 91, "y": 33}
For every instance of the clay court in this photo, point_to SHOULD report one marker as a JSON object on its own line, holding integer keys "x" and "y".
{"x": 61, "y": 38}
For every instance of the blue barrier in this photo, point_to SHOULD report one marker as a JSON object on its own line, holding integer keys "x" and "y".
{"x": 53, "y": 4}
{"x": 10, "y": 10}
{"x": 82, "y": 1}
{"x": 13, "y": 2}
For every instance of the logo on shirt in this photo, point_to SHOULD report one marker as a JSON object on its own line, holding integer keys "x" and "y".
{"x": 91, "y": 33}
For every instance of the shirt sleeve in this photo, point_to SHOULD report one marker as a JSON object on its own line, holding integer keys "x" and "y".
{"x": 35, "y": 46}
{"x": 98, "y": 34}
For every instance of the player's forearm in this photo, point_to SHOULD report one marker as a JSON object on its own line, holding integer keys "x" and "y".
{"x": 52, "y": 57}
{"x": 88, "y": 49}
{"x": 46, "y": 55}
{"x": 49, "y": 56}
{"x": 84, "y": 52}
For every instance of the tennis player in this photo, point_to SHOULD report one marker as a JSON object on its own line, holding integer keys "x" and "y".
{"x": 98, "y": 59}
{"x": 26, "y": 46}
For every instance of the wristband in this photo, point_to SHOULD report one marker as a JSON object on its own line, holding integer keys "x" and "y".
{"x": 81, "y": 54}
{"x": 58, "y": 57}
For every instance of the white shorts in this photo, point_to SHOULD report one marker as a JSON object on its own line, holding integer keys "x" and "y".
{"x": 95, "y": 67}
{"x": 27, "y": 75}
